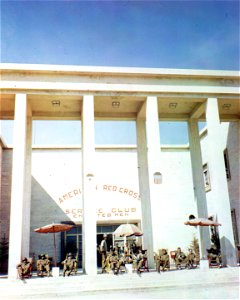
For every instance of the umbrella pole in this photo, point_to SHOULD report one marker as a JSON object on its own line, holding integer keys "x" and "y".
{"x": 54, "y": 239}
{"x": 125, "y": 242}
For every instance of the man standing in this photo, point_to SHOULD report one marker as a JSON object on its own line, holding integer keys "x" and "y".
{"x": 103, "y": 251}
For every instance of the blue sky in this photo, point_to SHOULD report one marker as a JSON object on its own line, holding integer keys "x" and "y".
{"x": 165, "y": 34}
{"x": 159, "y": 34}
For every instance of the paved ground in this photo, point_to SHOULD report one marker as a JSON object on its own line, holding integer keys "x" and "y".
{"x": 185, "y": 284}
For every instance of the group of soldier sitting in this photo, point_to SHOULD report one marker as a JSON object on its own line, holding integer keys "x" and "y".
{"x": 184, "y": 260}
{"x": 24, "y": 268}
{"x": 115, "y": 262}
{"x": 180, "y": 258}
{"x": 44, "y": 266}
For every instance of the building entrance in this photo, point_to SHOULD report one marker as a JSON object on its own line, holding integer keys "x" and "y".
{"x": 71, "y": 241}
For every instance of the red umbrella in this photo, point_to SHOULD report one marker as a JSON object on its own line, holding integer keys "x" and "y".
{"x": 52, "y": 228}
{"x": 201, "y": 222}
{"x": 125, "y": 230}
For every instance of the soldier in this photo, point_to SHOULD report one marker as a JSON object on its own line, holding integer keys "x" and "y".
{"x": 43, "y": 265}
{"x": 163, "y": 260}
{"x": 214, "y": 255}
{"x": 140, "y": 261}
{"x": 24, "y": 268}
{"x": 69, "y": 265}
{"x": 122, "y": 260}
{"x": 179, "y": 258}
{"x": 107, "y": 267}
{"x": 134, "y": 262}
{"x": 191, "y": 258}
{"x": 114, "y": 262}
{"x": 103, "y": 250}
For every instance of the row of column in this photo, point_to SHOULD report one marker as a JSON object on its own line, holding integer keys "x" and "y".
{"x": 149, "y": 161}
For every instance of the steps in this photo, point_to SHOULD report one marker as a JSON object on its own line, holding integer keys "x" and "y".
{"x": 49, "y": 286}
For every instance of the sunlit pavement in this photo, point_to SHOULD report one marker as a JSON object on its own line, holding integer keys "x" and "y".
{"x": 183, "y": 284}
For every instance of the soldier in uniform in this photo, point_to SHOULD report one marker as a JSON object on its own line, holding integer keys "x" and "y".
{"x": 69, "y": 265}
{"x": 191, "y": 258}
{"x": 122, "y": 260}
{"x": 140, "y": 260}
{"x": 24, "y": 268}
{"x": 134, "y": 262}
{"x": 214, "y": 255}
{"x": 179, "y": 258}
{"x": 103, "y": 250}
{"x": 114, "y": 262}
{"x": 43, "y": 265}
{"x": 163, "y": 260}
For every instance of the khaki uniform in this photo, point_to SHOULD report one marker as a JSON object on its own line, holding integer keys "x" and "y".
{"x": 114, "y": 262}
{"x": 43, "y": 265}
{"x": 140, "y": 260}
{"x": 24, "y": 268}
{"x": 180, "y": 258}
{"x": 103, "y": 251}
{"x": 69, "y": 265}
{"x": 163, "y": 260}
{"x": 191, "y": 258}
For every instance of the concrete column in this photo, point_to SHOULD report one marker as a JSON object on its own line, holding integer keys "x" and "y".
{"x": 198, "y": 183}
{"x": 21, "y": 186}
{"x": 27, "y": 187}
{"x": 148, "y": 140}
{"x": 88, "y": 181}
{"x": 219, "y": 186}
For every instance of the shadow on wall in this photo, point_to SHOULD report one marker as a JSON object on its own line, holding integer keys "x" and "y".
{"x": 228, "y": 252}
{"x": 232, "y": 163}
{"x": 44, "y": 211}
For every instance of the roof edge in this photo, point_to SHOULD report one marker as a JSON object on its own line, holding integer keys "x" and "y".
{"x": 118, "y": 70}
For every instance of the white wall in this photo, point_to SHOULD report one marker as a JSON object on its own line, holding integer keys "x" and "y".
{"x": 57, "y": 188}
{"x": 229, "y": 138}
{"x": 176, "y": 202}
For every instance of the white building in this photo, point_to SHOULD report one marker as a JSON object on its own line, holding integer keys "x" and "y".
{"x": 108, "y": 185}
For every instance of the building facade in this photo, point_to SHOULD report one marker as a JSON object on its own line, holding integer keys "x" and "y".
{"x": 98, "y": 188}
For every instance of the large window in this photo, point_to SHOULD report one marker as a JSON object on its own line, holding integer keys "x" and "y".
{"x": 56, "y": 133}
{"x": 115, "y": 133}
{"x": 227, "y": 165}
{"x": 47, "y": 132}
{"x": 235, "y": 229}
{"x": 173, "y": 133}
{"x": 206, "y": 177}
{"x": 6, "y": 131}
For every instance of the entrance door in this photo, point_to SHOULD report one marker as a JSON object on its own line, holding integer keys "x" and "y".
{"x": 101, "y": 230}
{"x": 72, "y": 242}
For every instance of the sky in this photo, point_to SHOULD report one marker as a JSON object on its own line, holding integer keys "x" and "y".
{"x": 159, "y": 34}
{"x": 162, "y": 34}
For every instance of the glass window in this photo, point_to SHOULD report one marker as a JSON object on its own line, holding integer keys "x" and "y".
{"x": 206, "y": 177}
{"x": 227, "y": 165}
{"x": 234, "y": 223}
{"x": 6, "y": 131}
{"x": 56, "y": 133}
{"x": 173, "y": 133}
{"x": 115, "y": 132}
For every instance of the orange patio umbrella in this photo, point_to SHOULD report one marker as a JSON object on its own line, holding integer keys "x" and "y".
{"x": 201, "y": 222}
{"x": 52, "y": 228}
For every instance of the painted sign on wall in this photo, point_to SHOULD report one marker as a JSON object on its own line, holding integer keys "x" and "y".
{"x": 113, "y": 202}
